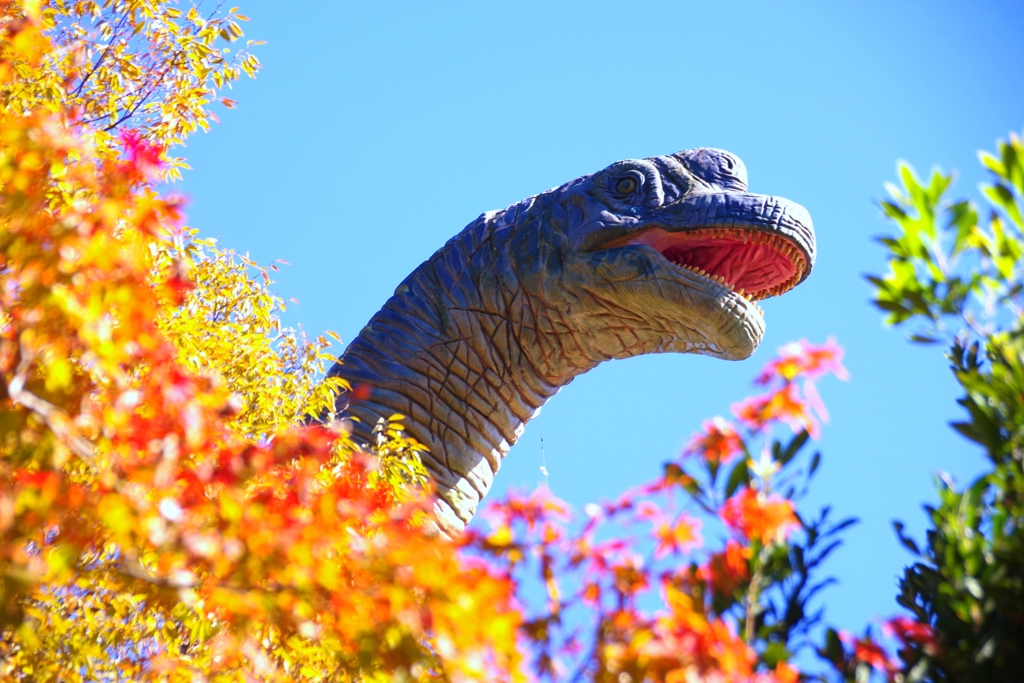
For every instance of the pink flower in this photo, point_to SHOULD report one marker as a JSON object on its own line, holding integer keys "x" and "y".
{"x": 540, "y": 507}
{"x": 726, "y": 570}
{"x": 648, "y": 510}
{"x": 801, "y": 358}
{"x": 679, "y": 537}
{"x": 868, "y": 651}
{"x": 785, "y": 405}
{"x": 757, "y": 517}
{"x": 144, "y": 157}
{"x": 909, "y": 631}
{"x": 718, "y": 442}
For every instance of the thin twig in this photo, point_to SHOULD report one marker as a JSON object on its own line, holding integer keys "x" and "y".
{"x": 56, "y": 419}
{"x": 103, "y": 56}
{"x": 752, "y": 602}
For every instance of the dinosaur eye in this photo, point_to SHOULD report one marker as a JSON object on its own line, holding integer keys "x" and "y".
{"x": 625, "y": 186}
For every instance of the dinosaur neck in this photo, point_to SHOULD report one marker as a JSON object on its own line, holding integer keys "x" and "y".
{"x": 467, "y": 355}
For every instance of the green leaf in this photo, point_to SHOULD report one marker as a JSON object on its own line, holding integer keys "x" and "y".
{"x": 775, "y": 652}
{"x": 739, "y": 476}
{"x": 832, "y": 650}
{"x": 963, "y": 220}
{"x": 786, "y": 454}
{"x": 909, "y": 178}
{"x": 675, "y": 474}
{"x": 815, "y": 462}
{"x": 907, "y": 542}
{"x": 1003, "y": 197}
{"x": 974, "y": 587}
{"x": 937, "y": 185}
{"x": 892, "y": 210}
{"x": 993, "y": 164}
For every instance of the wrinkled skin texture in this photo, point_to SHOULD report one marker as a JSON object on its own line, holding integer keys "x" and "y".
{"x": 523, "y": 300}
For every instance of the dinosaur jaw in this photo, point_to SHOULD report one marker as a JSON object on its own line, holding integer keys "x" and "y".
{"x": 698, "y": 284}
{"x": 755, "y": 264}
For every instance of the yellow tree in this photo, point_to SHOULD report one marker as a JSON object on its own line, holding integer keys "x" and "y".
{"x": 161, "y": 514}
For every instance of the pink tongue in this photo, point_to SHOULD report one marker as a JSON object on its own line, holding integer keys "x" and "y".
{"x": 751, "y": 267}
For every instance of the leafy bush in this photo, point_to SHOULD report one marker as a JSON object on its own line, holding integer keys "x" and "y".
{"x": 955, "y": 278}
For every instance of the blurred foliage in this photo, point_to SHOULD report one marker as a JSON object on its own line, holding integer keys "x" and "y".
{"x": 955, "y": 277}
{"x": 163, "y": 515}
{"x": 634, "y": 594}
{"x": 150, "y": 66}
{"x": 229, "y": 324}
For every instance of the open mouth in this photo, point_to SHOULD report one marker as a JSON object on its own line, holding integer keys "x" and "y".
{"x": 752, "y": 263}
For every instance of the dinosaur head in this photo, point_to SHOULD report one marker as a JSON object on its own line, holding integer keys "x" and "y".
{"x": 669, "y": 254}
{"x": 662, "y": 254}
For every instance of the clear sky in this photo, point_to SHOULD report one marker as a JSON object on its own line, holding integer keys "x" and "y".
{"x": 376, "y": 131}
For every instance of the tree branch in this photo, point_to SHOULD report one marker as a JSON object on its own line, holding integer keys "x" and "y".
{"x": 56, "y": 419}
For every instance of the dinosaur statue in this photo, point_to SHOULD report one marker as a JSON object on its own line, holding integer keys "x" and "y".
{"x": 647, "y": 256}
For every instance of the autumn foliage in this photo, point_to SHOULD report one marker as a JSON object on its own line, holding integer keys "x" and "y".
{"x": 635, "y": 594}
{"x": 169, "y": 510}
{"x": 160, "y": 518}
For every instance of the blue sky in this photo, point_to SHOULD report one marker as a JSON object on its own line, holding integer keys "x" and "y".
{"x": 376, "y": 131}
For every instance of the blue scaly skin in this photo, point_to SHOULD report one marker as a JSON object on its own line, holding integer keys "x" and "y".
{"x": 665, "y": 254}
